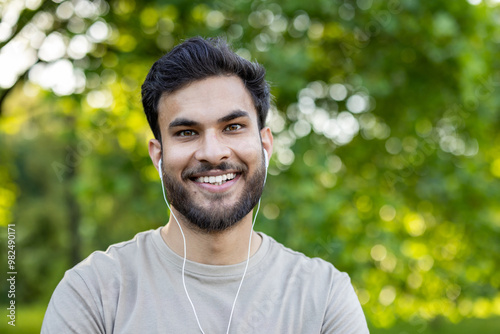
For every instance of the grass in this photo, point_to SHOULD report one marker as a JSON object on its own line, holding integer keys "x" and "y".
{"x": 443, "y": 326}
{"x": 29, "y": 320}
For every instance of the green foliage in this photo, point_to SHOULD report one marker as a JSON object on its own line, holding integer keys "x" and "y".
{"x": 387, "y": 152}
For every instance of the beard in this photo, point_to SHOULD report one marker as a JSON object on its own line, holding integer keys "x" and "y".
{"x": 216, "y": 217}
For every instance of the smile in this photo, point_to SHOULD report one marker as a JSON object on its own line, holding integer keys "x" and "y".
{"x": 216, "y": 180}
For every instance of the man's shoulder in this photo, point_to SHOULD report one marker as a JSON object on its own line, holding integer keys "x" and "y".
{"x": 321, "y": 282}
{"x": 281, "y": 254}
{"x": 116, "y": 255}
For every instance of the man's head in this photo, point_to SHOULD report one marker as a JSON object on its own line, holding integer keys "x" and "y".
{"x": 198, "y": 59}
{"x": 212, "y": 138}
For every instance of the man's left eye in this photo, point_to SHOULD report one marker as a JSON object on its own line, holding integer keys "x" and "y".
{"x": 233, "y": 127}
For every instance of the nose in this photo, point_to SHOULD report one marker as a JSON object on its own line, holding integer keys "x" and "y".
{"x": 212, "y": 149}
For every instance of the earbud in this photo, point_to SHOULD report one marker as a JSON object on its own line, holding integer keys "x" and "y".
{"x": 266, "y": 161}
{"x": 159, "y": 170}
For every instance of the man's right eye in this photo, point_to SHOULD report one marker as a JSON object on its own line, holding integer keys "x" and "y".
{"x": 186, "y": 133}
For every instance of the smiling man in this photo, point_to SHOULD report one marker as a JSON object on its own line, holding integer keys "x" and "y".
{"x": 206, "y": 270}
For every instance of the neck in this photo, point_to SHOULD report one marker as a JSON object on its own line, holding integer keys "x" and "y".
{"x": 220, "y": 248}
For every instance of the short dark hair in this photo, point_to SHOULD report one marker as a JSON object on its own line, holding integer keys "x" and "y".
{"x": 196, "y": 59}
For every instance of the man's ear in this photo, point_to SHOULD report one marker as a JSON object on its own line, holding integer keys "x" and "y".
{"x": 154, "y": 148}
{"x": 267, "y": 141}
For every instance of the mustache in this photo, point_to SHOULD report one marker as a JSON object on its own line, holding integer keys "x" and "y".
{"x": 206, "y": 167}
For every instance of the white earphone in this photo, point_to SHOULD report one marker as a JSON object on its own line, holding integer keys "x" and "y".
{"x": 159, "y": 170}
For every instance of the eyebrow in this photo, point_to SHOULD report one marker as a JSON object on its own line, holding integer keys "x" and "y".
{"x": 189, "y": 123}
{"x": 235, "y": 114}
{"x": 182, "y": 122}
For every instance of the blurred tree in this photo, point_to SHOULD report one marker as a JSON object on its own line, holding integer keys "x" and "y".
{"x": 387, "y": 153}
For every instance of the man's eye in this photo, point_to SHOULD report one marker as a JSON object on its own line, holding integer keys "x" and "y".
{"x": 186, "y": 133}
{"x": 233, "y": 127}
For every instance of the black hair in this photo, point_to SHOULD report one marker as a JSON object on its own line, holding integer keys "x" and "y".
{"x": 196, "y": 59}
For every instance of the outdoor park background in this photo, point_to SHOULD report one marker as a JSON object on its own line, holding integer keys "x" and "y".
{"x": 387, "y": 142}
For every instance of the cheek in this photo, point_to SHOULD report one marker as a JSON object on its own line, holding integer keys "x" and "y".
{"x": 249, "y": 153}
{"x": 175, "y": 161}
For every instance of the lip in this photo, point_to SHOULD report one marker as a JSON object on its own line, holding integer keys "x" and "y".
{"x": 217, "y": 188}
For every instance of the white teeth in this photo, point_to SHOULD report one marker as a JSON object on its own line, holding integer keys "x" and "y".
{"x": 216, "y": 180}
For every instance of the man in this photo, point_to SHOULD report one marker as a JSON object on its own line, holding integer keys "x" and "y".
{"x": 206, "y": 270}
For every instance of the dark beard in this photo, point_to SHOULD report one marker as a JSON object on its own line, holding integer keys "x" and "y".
{"x": 217, "y": 218}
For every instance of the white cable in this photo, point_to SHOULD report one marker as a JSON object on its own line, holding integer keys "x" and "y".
{"x": 246, "y": 267}
{"x": 184, "y": 259}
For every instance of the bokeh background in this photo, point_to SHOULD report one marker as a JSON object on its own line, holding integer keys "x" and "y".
{"x": 387, "y": 142}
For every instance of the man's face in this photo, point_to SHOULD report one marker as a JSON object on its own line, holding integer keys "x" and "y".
{"x": 213, "y": 164}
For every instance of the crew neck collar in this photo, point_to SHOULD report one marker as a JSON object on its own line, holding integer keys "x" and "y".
{"x": 207, "y": 269}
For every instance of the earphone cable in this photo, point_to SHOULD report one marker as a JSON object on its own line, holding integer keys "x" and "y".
{"x": 245, "y": 271}
{"x": 185, "y": 257}
{"x": 185, "y": 254}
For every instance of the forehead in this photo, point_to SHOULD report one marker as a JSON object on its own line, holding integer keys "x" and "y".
{"x": 206, "y": 100}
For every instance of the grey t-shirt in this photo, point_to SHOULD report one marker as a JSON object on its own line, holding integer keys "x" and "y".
{"x": 136, "y": 287}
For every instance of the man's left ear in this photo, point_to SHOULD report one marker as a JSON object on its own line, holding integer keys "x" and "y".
{"x": 267, "y": 141}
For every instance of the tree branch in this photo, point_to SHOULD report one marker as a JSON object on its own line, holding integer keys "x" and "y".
{"x": 7, "y": 91}
{"x": 4, "y": 95}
